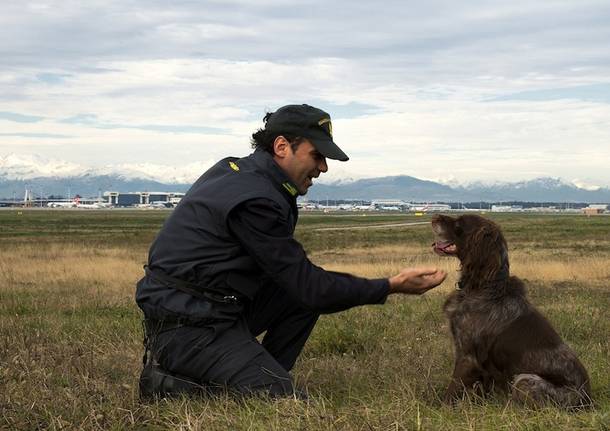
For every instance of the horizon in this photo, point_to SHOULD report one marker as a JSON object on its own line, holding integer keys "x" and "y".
{"x": 32, "y": 167}
{"x": 90, "y": 186}
{"x": 445, "y": 92}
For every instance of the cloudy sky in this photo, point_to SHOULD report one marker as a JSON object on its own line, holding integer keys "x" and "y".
{"x": 441, "y": 90}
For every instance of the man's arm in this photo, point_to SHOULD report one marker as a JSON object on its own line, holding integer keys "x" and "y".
{"x": 265, "y": 233}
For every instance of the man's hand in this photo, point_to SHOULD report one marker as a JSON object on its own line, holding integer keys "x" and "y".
{"x": 415, "y": 281}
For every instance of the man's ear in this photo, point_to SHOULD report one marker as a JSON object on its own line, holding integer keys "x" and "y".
{"x": 280, "y": 147}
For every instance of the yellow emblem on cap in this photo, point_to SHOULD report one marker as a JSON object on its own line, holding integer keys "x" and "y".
{"x": 291, "y": 189}
{"x": 234, "y": 166}
{"x": 330, "y": 125}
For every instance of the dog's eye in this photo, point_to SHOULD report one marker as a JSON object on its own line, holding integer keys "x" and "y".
{"x": 458, "y": 230}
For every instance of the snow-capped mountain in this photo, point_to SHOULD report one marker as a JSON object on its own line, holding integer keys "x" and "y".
{"x": 57, "y": 177}
{"x": 539, "y": 190}
{"x": 29, "y": 167}
{"x": 25, "y": 167}
{"x": 414, "y": 189}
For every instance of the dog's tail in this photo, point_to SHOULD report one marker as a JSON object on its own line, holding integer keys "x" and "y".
{"x": 534, "y": 391}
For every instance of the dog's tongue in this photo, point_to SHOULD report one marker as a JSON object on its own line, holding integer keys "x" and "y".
{"x": 443, "y": 246}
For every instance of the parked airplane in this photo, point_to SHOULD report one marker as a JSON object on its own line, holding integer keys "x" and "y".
{"x": 156, "y": 204}
{"x": 63, "y": 204}
{"x": 431, "y": 207}
{"x": 91, "y": 205}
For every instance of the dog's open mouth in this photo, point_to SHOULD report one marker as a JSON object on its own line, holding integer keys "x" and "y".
{"x": 444, "y": 248}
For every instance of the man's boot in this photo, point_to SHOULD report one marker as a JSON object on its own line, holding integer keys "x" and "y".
{"x": 155, "y": 381}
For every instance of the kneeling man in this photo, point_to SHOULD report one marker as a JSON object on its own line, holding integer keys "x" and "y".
{"x": 226, "y": 267}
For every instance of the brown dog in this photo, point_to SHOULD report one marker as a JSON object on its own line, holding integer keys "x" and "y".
{"x": 501, "y": 341}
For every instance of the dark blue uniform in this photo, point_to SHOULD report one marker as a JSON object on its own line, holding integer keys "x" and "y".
{"x": 230, "y": 241}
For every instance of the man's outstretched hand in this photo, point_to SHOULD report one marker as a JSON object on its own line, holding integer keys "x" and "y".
{"x": 415, "y": 281}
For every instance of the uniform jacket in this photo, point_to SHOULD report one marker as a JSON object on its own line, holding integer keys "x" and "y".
{"x": 233, "y": 232}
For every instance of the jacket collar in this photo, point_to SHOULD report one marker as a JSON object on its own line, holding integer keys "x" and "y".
{"x": 280, "y": 180}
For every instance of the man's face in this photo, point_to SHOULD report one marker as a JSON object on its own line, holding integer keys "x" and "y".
{"x": 301, "y": 165}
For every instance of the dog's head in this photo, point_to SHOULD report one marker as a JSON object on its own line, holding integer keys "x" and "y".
{"x": 476, "y": 241}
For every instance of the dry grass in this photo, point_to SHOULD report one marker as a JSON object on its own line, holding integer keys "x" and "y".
{"x": 381, "y": 261}
{"x": 580, "y": 269}
{"x": 70, "y": 344}
{"x": 108, "y": 272}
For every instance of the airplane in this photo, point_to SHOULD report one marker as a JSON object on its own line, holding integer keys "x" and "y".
{"x": 91, "y": 205}
{"x": 157, "y": 205}
{"x": 428, "y": 207}
{"x": 63, "y": 204}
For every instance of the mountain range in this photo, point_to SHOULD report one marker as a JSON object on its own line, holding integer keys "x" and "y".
{"x": 58, "y": 178}
{"x": 413, "y": 189}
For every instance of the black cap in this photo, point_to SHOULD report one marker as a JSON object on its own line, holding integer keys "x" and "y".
{"x": 307, "y": 122}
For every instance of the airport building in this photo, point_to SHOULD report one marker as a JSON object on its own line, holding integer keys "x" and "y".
{"x": 595, "y": 209}
{"x": 131, "y": 199}
{"x": 390, "y": 205}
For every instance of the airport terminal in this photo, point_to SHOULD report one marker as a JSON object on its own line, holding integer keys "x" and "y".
{"x": 161, "y": 200}
{"x": 121, "y": 199}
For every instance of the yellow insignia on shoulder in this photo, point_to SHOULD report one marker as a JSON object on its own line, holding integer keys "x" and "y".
{"x": 234, "y": 166}
{"x": 291, "y": 189}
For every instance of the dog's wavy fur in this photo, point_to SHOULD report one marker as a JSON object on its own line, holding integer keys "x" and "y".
{"x": 501, "y": 341}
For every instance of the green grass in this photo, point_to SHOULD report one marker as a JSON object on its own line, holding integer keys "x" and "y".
{"x": 70, "y": 344}
{"x": 71, "y": 226}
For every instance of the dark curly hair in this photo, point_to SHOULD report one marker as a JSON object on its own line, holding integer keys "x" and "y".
{"x": 264, "y": 139}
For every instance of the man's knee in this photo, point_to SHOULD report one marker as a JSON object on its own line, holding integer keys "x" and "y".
{"x": 263, "y": 375}
{"x": 194, "y": 359}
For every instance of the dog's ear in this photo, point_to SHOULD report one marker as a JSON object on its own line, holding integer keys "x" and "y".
{"x": 485, "y": 251}
{"x": 458, "y": 230}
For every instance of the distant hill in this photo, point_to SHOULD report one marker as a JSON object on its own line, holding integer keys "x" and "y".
{"x": 60, "y": 178}
{"x": 397, "y": 187}
{"x": 86, "y": 186}
{"x": 537, "y": 190}
{"x": 57, "y": 177}
{"x": 412, "y": 189}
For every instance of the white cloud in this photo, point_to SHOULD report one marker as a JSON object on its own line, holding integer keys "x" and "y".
{"x": 585, "y": 185}
{"x": 426, "y": 69}
{"x": 28, "y": 166}
{"x": 482, "y": 140}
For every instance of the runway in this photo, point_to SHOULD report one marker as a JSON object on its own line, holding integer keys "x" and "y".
{"x": 372, "y": 226}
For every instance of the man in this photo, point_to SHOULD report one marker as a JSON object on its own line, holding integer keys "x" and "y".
{"x": 225, "y": 268}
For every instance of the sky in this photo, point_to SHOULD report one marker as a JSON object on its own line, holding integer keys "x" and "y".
{"x": 449, "y": 91}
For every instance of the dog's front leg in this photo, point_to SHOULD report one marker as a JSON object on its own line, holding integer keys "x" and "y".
{"x": 466, "y": 373}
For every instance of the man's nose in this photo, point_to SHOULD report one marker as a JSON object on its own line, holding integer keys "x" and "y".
{"x": 323, "y": 166}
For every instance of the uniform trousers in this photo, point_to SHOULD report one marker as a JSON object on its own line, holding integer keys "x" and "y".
{"x": 226, "y": 354}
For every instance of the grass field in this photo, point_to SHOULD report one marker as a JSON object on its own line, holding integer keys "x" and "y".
{"x": 71, "y": 340}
